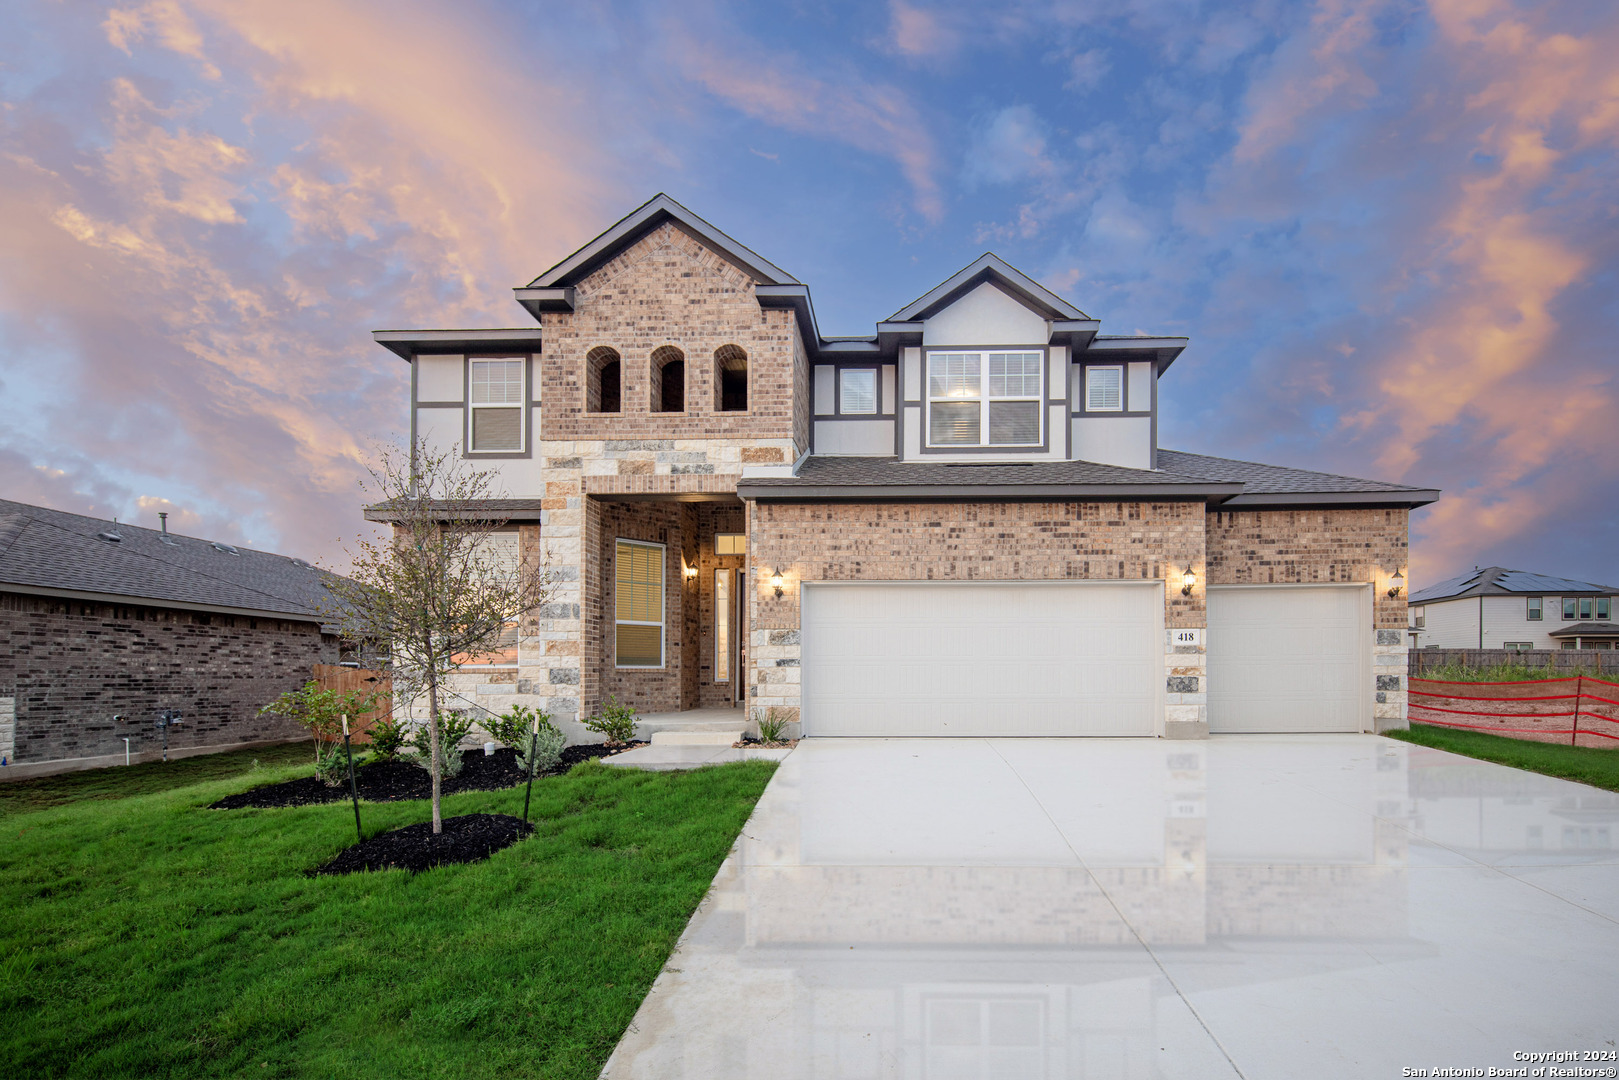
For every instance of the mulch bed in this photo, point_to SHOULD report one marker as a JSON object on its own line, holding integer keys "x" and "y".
{"x": 391, "y": 781}
{"x": 465, "y": 839}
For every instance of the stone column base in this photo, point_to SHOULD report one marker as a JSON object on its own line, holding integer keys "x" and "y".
{"x": 1186, "y": 729}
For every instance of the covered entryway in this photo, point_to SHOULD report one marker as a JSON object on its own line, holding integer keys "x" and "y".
{"x": 1289, "y": 658}
{"x": 982, "y": 659}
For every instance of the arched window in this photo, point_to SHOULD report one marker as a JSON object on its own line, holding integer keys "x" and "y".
{"x": 668, "y": 379}
{"x": 602, "y": 380}
{"x": 730, "y": 379}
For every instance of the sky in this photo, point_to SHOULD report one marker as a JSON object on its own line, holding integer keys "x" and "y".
{"x": 1390, "y": 228}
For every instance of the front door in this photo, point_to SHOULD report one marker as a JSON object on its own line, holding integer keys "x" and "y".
{"x": 728, "y": 631}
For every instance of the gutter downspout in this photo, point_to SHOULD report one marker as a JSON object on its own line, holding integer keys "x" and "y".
{"x": 1481, "y": 620}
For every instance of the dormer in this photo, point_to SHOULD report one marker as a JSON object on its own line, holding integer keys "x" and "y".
{"x": 991, "y": 366}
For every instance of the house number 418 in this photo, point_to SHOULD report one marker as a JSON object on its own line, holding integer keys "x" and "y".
{"x": 1189, "y": 637}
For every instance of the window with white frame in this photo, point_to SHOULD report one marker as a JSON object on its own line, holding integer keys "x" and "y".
{"x": 638, "y": 604}
{"x": 1585, "y": 607}
{"x": 495, "y": 413}
{"x": 1419, "y": 617}
{"x": 1604, "y": 608}
{"x": 985, "y": 398}
{"x": 1536, "y": 608}
{"x": 857, "y": 391}
{"x": 1104, "y": 389}
{"x": 1518, "y": 646}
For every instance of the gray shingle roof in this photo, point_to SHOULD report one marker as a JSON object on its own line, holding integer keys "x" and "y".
{"x": 868, "y": 476}
{"x": 1271, "y": 479}
{"x": 50, "y": 551}
{"x": 1180, "y": 475}
{"x": 1499, "y": 581}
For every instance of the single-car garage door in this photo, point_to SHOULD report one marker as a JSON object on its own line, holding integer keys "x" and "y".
{"x": 1289, "y": 658}
{"x": 1003, "y": 658}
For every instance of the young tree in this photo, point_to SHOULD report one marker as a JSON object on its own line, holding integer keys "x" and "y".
{"x": 434, "y": 595}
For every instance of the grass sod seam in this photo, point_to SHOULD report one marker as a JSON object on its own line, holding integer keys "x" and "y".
{"x": 124, "y": 781}
{"x": 1597, "y": 767}
{"x": 155, "y": 938}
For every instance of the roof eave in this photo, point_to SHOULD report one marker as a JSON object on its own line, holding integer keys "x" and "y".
{"x": 1162, "y": 351}
{"x": 156, "y": 601}
{"x": 768, "y": 492}
{"x": 1366, "y": 499}
{"x": 408, "y": 344}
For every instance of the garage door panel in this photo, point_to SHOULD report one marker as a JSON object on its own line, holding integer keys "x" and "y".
{"x": 1288, "y": 658}
{"x": 978, "y": 659}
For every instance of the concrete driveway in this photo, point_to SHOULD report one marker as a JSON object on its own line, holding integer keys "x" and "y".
{"x": 1253, "y": 906}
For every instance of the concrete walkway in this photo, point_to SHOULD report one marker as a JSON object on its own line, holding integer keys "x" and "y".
{"x": 1250, "y": 906}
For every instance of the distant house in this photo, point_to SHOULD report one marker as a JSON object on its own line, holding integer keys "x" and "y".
{"x": 101, "y": 619}
{"x": 1497, "y": 608}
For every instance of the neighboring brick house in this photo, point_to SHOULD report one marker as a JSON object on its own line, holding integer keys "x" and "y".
{"x": 101, "y": 619}
{"x": 1497, "y": 608}
{"x": 959, "y": 525}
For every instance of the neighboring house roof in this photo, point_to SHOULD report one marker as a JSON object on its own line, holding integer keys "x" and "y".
{"x": 52, "y": 553}
{"x": 1499, "y": 581}
{"x": 1179, "y": 475}
{"x": 1587, "y": 629}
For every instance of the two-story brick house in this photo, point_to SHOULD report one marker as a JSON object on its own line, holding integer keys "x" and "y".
{"x": 962, "y": 524}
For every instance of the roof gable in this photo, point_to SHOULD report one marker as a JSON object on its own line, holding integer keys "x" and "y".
{"x": 642, "y": 220}
{"x": 1010, "y": 280}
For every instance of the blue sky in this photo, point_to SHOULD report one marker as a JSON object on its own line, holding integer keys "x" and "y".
{"x": 1387, "y": 227}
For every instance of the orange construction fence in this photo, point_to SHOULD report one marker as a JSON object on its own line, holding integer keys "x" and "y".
{"x": 1579, "y": 710}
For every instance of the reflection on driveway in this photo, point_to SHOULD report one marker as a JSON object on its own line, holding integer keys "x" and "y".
{"x": 1248, "y": 906}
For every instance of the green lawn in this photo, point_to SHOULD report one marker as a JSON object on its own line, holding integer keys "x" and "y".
{"x": 1599, "y": 768}
{"x": 124, "y": 781}
{"x": 148, "y": 936}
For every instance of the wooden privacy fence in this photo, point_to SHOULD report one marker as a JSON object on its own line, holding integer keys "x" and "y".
{"x": 1579, "y": 710}
{"x": 343, "y": 679}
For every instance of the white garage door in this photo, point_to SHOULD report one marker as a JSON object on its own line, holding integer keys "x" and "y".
{"x": 1289, "y": 657}
{"x": 982, "y": 659}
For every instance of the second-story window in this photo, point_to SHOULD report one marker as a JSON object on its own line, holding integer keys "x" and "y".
{"x": 985, "y": 399}
{"x": 1537, "y": 610}
{"x": 857, "y": 391}
{"x": 1104, "y": 389}
{"x": 1604, "y": 609}
{"x": 668, "y": 379}
{"x": 495, "y": 422}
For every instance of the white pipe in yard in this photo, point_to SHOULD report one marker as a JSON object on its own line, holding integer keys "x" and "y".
{"x": 126, "y": 750}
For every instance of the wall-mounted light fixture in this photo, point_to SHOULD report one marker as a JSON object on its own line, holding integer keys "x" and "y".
{"x": 1188, "y": 580}
{"x": 776, "y": 582}
{"x": 690, "y": 571}
{"x": 1395, "y": 584}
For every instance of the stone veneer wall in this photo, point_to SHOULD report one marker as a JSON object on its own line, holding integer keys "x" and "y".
{"x": 70, "y": 665}
{"x": 1305, "y": 547}
{"x": 1004, "y": 541}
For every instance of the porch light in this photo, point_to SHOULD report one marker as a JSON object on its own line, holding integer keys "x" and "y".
{"x": 1188, "y": 580}
{"x": 776, "y": 582}
{"x": 690, "y": 571}
{"x": 1395, "y": 584}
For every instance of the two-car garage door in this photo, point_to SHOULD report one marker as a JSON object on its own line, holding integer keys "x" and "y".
{"x": 1074, "y": 658}
{"x": 967, "y": 658}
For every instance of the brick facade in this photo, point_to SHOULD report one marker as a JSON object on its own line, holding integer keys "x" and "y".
{"x": 668, "y": 289}
{"x": 985, "y": 541}
{"x": 69, "y": 666}
{"x": 1302, "y": 547}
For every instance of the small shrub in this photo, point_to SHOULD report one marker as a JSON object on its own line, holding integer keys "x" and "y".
{"x": 772, "y": 724}
{"x": 333, "y": 766}
{"x": 321, "y": 710}
{"x": 615, "y": 721}
{"x": 547, "y": 750}
{"x": 453, "y": 726}
{"x": 388, "y": 734}
{"x": 514, "y": 726}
